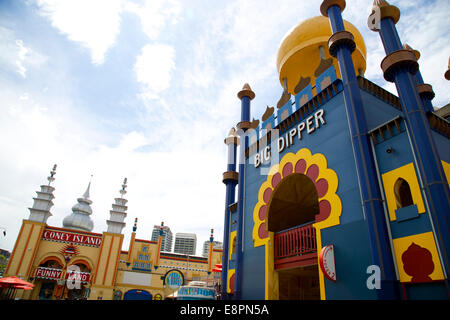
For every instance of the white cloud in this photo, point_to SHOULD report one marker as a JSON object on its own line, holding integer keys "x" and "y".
{"x": 155, "y": 14}
{"x": 21, "y": 57}
{"x": 154, "y": 66}
{"x": 15, "y": 55}
{"x": 93, "y": 23}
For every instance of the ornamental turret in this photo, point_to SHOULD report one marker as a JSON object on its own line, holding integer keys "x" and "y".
{"x": 119, "y": 212}
{"x": 79, "y": 219}
{"x": 40, "y": 211}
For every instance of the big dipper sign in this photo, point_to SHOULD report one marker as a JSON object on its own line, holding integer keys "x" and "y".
{"x": 308, "y": 125}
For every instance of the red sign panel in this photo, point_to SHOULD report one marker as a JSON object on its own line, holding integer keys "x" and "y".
{"x": 48, "y": 273}
{"x": 55, "y": 274}
{"x": 72, "y": 238}
{"x": 78, "y": 276}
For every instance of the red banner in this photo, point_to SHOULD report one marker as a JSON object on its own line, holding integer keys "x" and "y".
{"x": 55, "y": 274}
{"x": 72, "y": 238}
{"x": 78, "y": 276}
{"x": 48, "y": 273}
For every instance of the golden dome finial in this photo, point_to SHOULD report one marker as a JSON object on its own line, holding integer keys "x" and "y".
{"x": 300, "y": 56}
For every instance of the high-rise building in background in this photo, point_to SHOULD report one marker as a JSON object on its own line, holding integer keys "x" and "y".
{"x": 185, "y": 243}
{"x": 216, "y": 245}
{"x": 167, "y": 237}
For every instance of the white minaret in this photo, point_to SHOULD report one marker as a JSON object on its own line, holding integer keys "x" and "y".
{"x": 79, "y": 219}
{"x": 42, "y": 204}
{"x": 118, "y": 213}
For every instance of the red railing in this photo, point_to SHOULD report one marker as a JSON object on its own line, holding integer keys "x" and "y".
{"x": 295, "y": 241}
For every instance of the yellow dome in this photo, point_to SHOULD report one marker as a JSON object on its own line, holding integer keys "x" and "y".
{"x": 299, "y": 54}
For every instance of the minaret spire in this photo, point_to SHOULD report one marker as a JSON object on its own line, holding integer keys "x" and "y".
{"x": 119, "y": 212}
{"x": 40, "y": 211}
{"x": 51, "y": 177}
{"x": 86, "y": 193}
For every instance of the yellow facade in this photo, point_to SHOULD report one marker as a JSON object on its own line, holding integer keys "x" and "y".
{"x": 43, "y": 255}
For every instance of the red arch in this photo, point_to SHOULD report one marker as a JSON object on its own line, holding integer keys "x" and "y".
{"x": 53, "y": 258}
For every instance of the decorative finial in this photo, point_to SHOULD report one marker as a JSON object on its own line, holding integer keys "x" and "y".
{"x": 246, "y": 92}
{"x": 285, "y": 96}
{"x": 381, "y": 9}
{"x": 254, "y": 123}
{"x": 52, "y": 173}
{"x": 232, "y": 132}
{"x": 86, "y": 193}
{"x": 267, "y": 113}
{"x": 326, "y": 4}
{"x": 416, "y": 53}
{"x": 447, "y": 73}
{"x": 302, "y": 83}
{"x": 232, "y": 137}
{"x": 161, "y": 229}
{"x": 380, "y": 3}
{"x": 124, "y": 186}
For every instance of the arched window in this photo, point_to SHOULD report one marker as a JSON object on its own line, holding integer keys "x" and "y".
{"x": 233, "y": 247}
{"x": 403, "y": 196}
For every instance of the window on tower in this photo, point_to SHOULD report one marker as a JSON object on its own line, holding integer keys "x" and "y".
{"x": 403, "y": 196}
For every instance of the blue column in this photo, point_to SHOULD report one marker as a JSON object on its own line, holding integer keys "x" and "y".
{"x": 380, "y": 247}
{"x": 230, "y": 182}
{"x": 428, "y": 162}
{"x": 426, "y": 99}
{"x": 246, "y": 94}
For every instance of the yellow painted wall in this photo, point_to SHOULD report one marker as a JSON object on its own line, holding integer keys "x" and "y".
{"x": 408, "y": 173}
{"x": 25, "y": 249}
{"x": 107, "y": 262}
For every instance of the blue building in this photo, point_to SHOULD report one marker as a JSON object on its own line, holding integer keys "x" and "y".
{"x": 342, "y": 191}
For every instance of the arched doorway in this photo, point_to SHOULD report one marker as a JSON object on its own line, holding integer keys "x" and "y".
{"x": 78, "y": 290}
{"x": 137, "y": 295}
{"x": 294, "y": 202}
{"x": 292, "y": 209}
{"x": 47, "y": 274}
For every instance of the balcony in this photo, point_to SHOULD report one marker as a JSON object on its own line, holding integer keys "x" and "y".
{"x": 295, "y": 247}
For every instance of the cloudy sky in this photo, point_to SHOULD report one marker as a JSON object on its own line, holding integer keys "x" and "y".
{"x": 147, "y": 90}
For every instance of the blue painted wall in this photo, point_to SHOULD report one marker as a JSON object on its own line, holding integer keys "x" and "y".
{"x": 350, "y": 238}
{"x": 333, "y": 141}
{"x": 376, "y": 111}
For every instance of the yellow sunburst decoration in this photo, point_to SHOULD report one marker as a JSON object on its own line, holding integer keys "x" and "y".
{"x": 326, "y": 183}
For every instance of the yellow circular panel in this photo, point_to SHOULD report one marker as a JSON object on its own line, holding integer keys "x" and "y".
{"x": 298, "y": 55}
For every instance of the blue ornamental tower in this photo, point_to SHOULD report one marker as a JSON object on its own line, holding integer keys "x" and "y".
{"x": 400, "y": 66}
{"x": 230, "y": 179}
{"x": 341, "y": 45}
{"x": 245, "y": 95}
